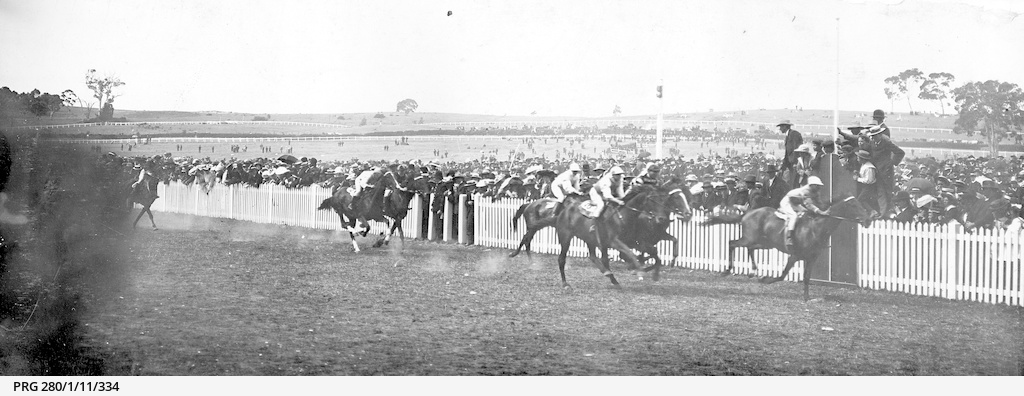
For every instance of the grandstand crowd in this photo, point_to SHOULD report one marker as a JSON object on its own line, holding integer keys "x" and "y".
{"x": 925, "y": 189}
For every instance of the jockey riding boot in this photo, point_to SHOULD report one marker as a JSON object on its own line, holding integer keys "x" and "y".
{"x": 789, "y": 239}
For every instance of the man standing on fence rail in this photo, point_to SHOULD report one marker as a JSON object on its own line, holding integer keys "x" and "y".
{"x": 885, "y": 155}
{"x": 793, "y": 141}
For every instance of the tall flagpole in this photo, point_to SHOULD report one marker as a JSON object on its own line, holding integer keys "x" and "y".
{"x": 835, "y": 135}
{"x": 660, "y": 135}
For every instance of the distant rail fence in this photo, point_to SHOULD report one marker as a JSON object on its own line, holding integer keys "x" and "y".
{"x": 645, "y": 123}
{"x": 920, "y": 259}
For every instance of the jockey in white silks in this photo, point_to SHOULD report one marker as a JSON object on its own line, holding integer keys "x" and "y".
{"x": 362, "y": 181}
{"x": 799, "y": 200}
{"x": 567, "y": 182}
{"x": 608, "y": 187}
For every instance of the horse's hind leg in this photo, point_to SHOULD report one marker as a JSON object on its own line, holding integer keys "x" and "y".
{"x": 753, "y": 262}
{"x": 150, "y": 214}
{"x": 789, "y": 265}
{"x": 561, "y": 259}
{"x": 525, "y": 242}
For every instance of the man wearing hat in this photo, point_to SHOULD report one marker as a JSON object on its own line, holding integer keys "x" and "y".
{"x": 879, "y": 118}
{"x": 997, "y": 202}
{"x": 885, "y": 155}
{"x": 147, "y": 179}
{"x": 740, "y": 198}
{"x": 708, "y": 198}
{"x": 902, "y": 210}
{"x": 867, "y": 188}
{"x": 799, "y": 200}
{"x": 774, "y": 187}
{"x": 793, "y": 141}
{"x": 756, "y": 199}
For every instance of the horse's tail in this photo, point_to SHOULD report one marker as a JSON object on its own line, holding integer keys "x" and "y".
{"x": 326, "y": 204}
{"x": 729, "y": 218}
{"x": 519, "y": 213}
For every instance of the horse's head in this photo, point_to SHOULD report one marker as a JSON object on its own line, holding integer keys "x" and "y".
{"x": 679, "y": 199}
{"x": 420, "y": 185}
{"x": 850, "y": 208}
{"x": 652, "y": 204}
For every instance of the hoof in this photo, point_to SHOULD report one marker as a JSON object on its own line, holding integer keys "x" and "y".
{"x": 156, "y": 229}
{"x": 387, "y": 242}
{"x": 513, "y": 254}
{"x": 725, "y": 273}
{"x": 768, "y": 280}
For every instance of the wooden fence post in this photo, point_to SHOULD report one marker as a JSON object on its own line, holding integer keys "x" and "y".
{"x": 463, "y": 230}
{"x": 431, "y": 233}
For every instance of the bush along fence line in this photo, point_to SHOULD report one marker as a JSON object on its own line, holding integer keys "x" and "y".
{"x": 920, "y": 259}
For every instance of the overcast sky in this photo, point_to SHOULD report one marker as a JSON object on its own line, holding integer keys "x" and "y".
{"x": 557, "y": 58}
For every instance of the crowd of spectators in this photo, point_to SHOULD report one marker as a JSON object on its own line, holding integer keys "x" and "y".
{"x": 921, "y": 189}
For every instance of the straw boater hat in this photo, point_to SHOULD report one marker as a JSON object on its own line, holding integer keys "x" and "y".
{"x": 784, "y": 122}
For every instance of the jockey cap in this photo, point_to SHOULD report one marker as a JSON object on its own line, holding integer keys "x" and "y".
{"x": 815, "y": 181}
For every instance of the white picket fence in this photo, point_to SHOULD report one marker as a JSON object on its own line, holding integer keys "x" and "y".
{"x": 942, "y": 261}
{"x": 920, "y": 259}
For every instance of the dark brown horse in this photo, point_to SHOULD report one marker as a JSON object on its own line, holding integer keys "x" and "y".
{"x": 651, "y": 227}
{"x": 144, "y": 194}
{"x": 538, "y": 215}
{"x": 572, "y": 223}
{"x": 762, "y": 229}
{"x": 374, "y": 205}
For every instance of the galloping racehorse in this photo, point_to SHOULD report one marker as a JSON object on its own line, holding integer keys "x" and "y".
{"x": 572, "y": 223}
{"x": 762, "y": 229}
{"x": 144, "y": 195}
{"x": 374, "y": 206}
{"x": 649, "y": 228}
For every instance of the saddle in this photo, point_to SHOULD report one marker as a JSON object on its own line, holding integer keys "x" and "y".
{"x": 588, "y": 209}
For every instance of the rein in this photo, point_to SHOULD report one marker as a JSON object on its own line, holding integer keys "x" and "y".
{"x": 841, "y": 217}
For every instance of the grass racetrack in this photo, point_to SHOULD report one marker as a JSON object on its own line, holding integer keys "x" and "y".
{"x": 220, "y": 297}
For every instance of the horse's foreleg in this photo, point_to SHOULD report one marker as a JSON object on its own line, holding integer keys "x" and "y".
{"x": 355, "y": 245}
{"x": 137, "y": 218}
{"x": 652, "y": 251}
{"x": 807, "y": 276}
{"x": 625, "y": 253}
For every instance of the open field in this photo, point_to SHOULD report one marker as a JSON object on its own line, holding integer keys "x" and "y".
{"x": 394, "y": 122}
{"x": 219, "y": 297}
{"x": 459, "y": 150}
